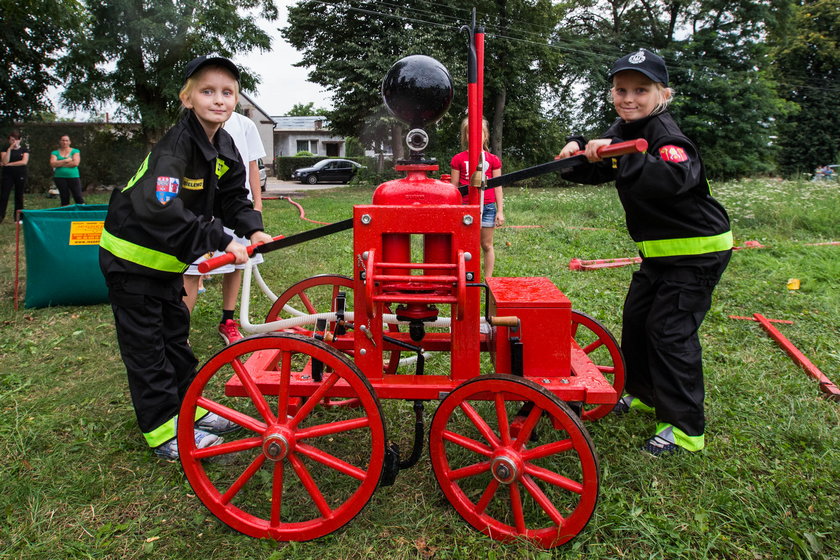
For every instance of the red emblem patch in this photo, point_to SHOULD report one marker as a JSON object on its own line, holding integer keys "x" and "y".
{"x": 673, "y": 153}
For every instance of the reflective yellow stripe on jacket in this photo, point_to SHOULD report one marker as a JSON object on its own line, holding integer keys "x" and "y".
{"x": 140, "y": 255}
{"x": 686, "y": 246}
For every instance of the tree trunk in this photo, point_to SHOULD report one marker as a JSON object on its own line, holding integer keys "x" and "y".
{"x": 498, "y": 124}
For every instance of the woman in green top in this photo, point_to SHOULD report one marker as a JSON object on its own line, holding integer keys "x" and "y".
{"x": 65, "y": 161}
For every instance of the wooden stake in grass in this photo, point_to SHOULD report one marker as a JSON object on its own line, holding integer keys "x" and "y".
{"x": 826, "y": 386}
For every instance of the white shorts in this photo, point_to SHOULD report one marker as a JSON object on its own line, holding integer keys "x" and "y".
{"x": 192, "y": 270}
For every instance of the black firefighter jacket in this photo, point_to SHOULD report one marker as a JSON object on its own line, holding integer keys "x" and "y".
{"x": 666, "y": 196}
{"x": 171, "y": 212}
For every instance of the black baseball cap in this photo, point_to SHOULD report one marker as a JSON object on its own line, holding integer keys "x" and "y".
{"x": 198, "y": 63}
{"x": 650, "y": 64}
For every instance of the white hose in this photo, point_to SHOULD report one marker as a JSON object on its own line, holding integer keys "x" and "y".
{"x": 302, "y": 318}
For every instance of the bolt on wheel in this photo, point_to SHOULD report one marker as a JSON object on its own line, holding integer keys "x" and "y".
{"x": 602, "y": 348}
{"x": 499, "y": 480}
{"x": 297, "y": 470}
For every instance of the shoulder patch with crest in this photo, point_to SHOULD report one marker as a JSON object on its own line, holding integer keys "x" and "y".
{"x": 166, "y": 189}
{"x": 673, "y": 153}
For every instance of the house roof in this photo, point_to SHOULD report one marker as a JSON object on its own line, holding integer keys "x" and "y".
{"x": 301, "y": 123}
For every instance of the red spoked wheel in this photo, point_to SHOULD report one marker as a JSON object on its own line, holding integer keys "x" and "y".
{"x": 503, "y": 483}
{"x": 601, "y": 347}
{"x": 317, "y": 294}
{"x": 289, "y": 477}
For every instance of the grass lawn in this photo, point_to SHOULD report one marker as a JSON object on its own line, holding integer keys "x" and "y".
{"x": 78, "y": 481}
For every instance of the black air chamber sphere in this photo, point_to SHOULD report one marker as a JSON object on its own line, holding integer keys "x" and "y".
{"x": 417, "y": 90}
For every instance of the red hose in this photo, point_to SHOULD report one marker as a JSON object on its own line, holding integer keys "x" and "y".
{"x": 303, "y": 212}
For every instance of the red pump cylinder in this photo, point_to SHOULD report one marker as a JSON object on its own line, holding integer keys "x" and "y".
{"x": 416, "y": 188}
{"x": 420, "y": 189}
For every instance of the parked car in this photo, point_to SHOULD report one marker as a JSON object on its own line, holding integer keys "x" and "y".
{"x": 332, "y": 170}
{"x": 263, "y": 174}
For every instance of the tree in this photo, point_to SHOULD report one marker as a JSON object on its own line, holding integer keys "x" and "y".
{"x": 133, "y": 52}
{"x": 807, "y": 69}
{"x": 305, "y": 110}
{"x": 719, "y": 68}
{"x": 351, "y": 44}
{"x": 30, "y": 42}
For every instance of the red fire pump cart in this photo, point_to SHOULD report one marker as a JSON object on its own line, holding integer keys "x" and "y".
{"x": 508, "y": 448}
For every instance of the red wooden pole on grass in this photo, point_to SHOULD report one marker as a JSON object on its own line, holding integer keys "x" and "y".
{"x": 17, "y": 258}
{"x": 826, "y": 386}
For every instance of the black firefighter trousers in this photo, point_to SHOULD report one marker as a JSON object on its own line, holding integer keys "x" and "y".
{"x": 153, "y": 326}
{"x": 665, "y": 305}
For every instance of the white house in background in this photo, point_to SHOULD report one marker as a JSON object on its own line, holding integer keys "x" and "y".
{"x": 286, "y": 136}
{"x": 310, "y": 134}
{"x": 265, "y": 126}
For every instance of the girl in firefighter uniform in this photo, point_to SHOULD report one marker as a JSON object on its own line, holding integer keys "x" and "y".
{"x": 167, "y": 215}
{"x": 684, "y": 238}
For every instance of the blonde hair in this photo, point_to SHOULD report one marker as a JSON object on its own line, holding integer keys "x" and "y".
{"x": 666, "y": 95}
{"x": 465, "y": 134}
{"x": 191, "y": 82}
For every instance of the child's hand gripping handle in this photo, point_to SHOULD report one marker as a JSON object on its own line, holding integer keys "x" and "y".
{"x": 227, "y": 258}
{"x": 622, "y": 148}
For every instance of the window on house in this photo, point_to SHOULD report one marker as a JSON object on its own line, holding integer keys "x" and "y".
{"x": 307, "y": 146}
{"x": 332, "y": 149}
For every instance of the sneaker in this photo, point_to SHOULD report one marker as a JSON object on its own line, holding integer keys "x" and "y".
{"x": 214, "y": 424}
{"x": 669, "y": 440}
{"x": 660, "y": 445}
{"x": 169, "y": 449}
{"x": 229, "y": 331}
{"x": 627, "y": 403}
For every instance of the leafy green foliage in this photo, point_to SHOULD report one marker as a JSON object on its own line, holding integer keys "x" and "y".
{"x": 717, "y": 61}
{"x": 305, "y": 110}
{"x": 807, "y": 69}
{"x": 133, "y": 52}
{"x": 520, "y": 66}
{"x": 32, "y": 34}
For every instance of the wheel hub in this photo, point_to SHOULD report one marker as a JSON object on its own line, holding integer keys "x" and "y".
{"x": 505, "y": 469}
{"x": 276, "y": 447}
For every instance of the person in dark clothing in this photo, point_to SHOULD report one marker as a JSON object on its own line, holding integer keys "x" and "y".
{"x": 170, "y": 213}
{"x": 685, "y": 241}
{"x": 14, "y": 161}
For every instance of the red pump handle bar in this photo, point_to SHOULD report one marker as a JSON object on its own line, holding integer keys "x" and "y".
{"x": 227, "y": 258}
{"x": 620, "y": 149}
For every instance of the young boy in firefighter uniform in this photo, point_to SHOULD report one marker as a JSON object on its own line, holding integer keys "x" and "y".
{"x": 684, "y": 238}
{"x": 167, "y": 215}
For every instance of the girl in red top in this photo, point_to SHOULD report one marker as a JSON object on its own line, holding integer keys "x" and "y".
{"x": 493, "y": 212}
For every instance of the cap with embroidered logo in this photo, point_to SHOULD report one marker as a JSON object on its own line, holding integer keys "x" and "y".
{"x": 650, "y": 64}
{"x": 197, "y": 63}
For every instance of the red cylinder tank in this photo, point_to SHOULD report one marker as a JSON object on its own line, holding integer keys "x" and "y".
{"x": 416, "y": 188}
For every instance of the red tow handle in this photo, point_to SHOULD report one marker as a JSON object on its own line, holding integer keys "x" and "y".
{"x": 622, "y": 148}
{"x": 227, "y": 258}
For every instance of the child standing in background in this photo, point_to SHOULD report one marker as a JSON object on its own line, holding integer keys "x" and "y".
{"x": 684, "y": 238}
{"x": 493, "y": 211}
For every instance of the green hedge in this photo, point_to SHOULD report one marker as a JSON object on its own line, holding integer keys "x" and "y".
{"x": 110, "y": 153}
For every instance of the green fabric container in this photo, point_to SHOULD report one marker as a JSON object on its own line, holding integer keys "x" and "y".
{"x": 62, "y": 255}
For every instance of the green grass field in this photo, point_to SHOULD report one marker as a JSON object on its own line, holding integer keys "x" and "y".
{"x": 78, "y": 481}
